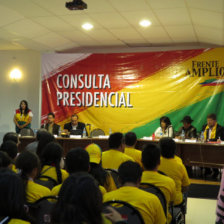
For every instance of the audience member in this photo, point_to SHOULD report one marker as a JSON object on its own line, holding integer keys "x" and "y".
{"x": 5, "y": 160}
{"x": 11, "y": 136}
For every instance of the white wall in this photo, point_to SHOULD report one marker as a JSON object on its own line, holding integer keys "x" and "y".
{"x": 28, "y": 88}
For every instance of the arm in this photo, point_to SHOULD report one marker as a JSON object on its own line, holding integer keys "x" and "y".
{"x": 16, "y": 123}
{"x": 28, "y": 122}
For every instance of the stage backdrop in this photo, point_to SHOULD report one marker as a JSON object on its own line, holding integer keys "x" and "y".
{"x": 131, "y": 91}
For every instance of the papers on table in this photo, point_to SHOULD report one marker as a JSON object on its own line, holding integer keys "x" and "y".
{"x": 76, "y": 136}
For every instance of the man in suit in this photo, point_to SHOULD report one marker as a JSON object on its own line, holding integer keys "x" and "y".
{"x": 50, "y": 126}
{"x": 75, "y": 126}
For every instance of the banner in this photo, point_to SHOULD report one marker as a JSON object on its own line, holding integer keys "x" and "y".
{"x": 131, "y": 91}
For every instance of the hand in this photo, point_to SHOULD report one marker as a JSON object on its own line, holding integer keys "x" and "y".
{"x": 113, "y": 215}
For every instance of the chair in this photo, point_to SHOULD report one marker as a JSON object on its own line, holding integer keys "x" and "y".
{"x": 127, "y": 211}
{"x": 115, "y": 176}
{"x": 26, "y": 132}
{"x": 49, "y": 182}
{"x": 97, "y": 132}
{"x": 156, "y": 191}
{"x": 41, "y": 209}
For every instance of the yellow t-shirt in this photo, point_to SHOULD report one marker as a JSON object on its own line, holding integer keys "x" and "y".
{"x": 135, "y": 154}
{"x": 18, "y": 221}
{"x": 164, "y": 183}
{"x": 112, "y": 159}
{"x": 13, "y": 168}
{"x": 177, "y": 171}
{"x": 36, "y": 191}
{"x": 51, "y": 172}
{"x": 147, "y": 204}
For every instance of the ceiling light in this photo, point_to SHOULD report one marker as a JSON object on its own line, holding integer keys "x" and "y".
{"x": 16, "y": 74}
{"x": 145, "y": 23}
{"x": 87, "y": 26}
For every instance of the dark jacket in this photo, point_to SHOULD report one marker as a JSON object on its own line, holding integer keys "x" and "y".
{"x": 219, "y": 133}
{"x": 190, "y": 132}
{"x": 80, "y": 126}
{"x": 56, "y": 128}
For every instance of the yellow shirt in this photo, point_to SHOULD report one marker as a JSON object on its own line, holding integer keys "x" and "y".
{"x": 36, "y": 191}
{"x": 135, "y": 154}
{"x": 176, "y": 170}
{"x": 53, "y": 174}
{"x": 146, "y": 203}
{"x": 18, "y": 221}
{"x": 13, "y": 168}
{"x": 112, "y": 159}
{"x": 164, "y": 183}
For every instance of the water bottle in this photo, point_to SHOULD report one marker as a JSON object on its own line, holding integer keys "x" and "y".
{"x": 182, "y": 135}
{"x": 110, "y": 131}
{"x": 84, "y": 133}
{"x": 202, "y": 136}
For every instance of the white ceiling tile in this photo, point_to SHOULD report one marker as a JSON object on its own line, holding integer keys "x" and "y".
{"x": 102, "y": 35}
{"x": 99, "y": 6}
{"x": 166, "y": 4}
{"x": 26, "y": 28}
{"x": 77, "y": 36}
{"x": 182, "y": 33}
{"x": 214, "y": 5}
{"x": 207, "y": 18}
{"x": 110, "y": 20}
{"x": 177, "y": 16}
{"x": 8, "y": 45}
{"x": 126, "y": 34}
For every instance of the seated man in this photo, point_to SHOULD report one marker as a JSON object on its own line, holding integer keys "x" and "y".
{"x": 151, "y": 161}
{"x": 130, "y": 142}
{"x": 146, "y": 203}
{"x": 75, "y": 125}
{"x": 51, "y": 126}
{"x": 189, "y": 130}
{"x": 112, "y": 158}
{"x": 173, "y": 167}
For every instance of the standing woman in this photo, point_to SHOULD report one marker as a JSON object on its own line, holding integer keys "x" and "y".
{"x": 165, "y": 129}
{"x": 23, "y": 116}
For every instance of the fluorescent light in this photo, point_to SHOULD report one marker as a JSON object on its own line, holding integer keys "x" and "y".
{"x": 87, "y": 26}
{"x": 16, "y": 74}
{"x": 145, "y": 23}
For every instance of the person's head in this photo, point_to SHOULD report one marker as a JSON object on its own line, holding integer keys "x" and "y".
{"x": 51, "y": 118}
{"x": 95, "y": 153}
{"x": 23, "y": 106}
{"x": 187, "y": 122}
{"x": 80, "y": 201}
{"x": 45, "y": 138}
{"x": 211, "y": 120}
{"x": 12, "y": 195}
{"x": 28, "y": 164}
{"x": 130, "y": 139}
{"x": 77, "y": 160}
{"x": 10, "y": 148}
{"x": 74, "y": 119}
{"x": 165, "y": 122}
{"x": 5, "y": 160}
{"x": 40, "y": 132}
{"x": 150, "y": 156}
{"x": 130, "y": 173}
{"x": 116, "y": 141}
{"x": 12, "y": 136}
{"x": 168, "y": 147}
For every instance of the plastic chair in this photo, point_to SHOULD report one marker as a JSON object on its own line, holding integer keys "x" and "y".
{"x": 26, "y": 132}
{"x": 115, "y": 176}
{"x": 127, "y": 211}
{"x": 97, "y": 132}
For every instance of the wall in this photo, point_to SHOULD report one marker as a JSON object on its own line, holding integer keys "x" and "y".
{"x": 28, "y": 88}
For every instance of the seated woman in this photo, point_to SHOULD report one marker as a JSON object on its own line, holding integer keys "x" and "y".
{"x": 51, "y": 157}
{"x": 23, "y": 116}
{"x": 165, "y": 129}
{"x": 28, "y": 165}
{"x": 104, "y": 178}
{"x": 12, "y": 209}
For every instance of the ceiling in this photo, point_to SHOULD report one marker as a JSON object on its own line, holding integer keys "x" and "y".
{"x": 46, "y": 25}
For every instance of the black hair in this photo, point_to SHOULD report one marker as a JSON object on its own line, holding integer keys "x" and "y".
{"x": 212, "y": 116}
{"x": 77, "y": 160}
{"x": 75, "y": 115}
{"x": 166, "y": 120}
{"x": 40, "y": 132}
{"x": 150, "y": 156}
{"x": 10, "y": 148}
{"x": 26, "y": 111}
{"x": 168, "y": 147}
{"x": 115, "y": 140}
{"x": 45, "y": 138}
{"x": 129, "y": 172}
{"x": 12, "y": 195}
{"x": 80, "y": 201}
{"x": 26, "y": 162}
{"x": 5, "y": 160}
{"x": 130, "y": 139}
{"x": 11, "y": 136}
{"x": 52, "y": 114}
{"x": 51, "y": 156}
